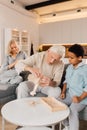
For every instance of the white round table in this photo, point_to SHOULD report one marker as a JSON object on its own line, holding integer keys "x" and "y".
{"x": 31, "y": 112}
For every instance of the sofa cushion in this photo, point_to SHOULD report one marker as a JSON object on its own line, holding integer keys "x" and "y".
{"x": 7, "y": 90}
{"x": 83, "y": 114}
{"x": 24, "y": 75}
{"x": 7, "y": 99}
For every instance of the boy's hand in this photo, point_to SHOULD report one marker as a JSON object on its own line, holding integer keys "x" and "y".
{"x": 76, "y": 99}
{"x": 62, "y": 96}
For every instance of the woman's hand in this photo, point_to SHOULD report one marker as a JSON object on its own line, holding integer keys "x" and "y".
{"x": 12, "y": 65}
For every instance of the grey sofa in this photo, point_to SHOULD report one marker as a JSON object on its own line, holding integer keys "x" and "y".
{"x": 8, "y": 93}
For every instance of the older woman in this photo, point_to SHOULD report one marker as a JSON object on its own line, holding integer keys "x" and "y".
{"x": 8, "y": 73}
{"x": 13, "y": 55}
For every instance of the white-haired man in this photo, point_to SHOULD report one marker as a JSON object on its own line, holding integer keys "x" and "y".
{"x": 49, "y": 67}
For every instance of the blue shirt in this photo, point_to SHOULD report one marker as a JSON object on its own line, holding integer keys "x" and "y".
{"x": 76, "y": 79}
{"x": 9, "y": 59}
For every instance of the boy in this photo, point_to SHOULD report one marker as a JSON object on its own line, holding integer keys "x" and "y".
{"x": 74, "y": 92}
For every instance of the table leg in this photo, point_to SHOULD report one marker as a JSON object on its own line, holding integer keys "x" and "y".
{"x": 53, "y": 127}
{"x": 3, "y": 123}
{"x": 60, "y": 126}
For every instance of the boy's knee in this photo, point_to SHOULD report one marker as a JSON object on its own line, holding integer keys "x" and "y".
{"x": 74, "y": 108}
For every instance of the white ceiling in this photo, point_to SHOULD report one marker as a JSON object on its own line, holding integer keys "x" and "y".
{"x": 30, "y": 2}
{"x": 60, "y": 7}
{"x": 73, "y": 9}
{"x": 76, "y": 7}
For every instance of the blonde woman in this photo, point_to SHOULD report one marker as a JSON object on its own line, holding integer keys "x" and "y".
{"x": 8, "y": 73}
{"x": 13, "y": 55}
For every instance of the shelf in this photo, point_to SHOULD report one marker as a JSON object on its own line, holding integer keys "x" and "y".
{"x": 44, "y": 47}
{"x": 22, "y": 38}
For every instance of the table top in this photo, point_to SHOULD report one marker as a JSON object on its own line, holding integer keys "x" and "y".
{"x": 31, "y": 112}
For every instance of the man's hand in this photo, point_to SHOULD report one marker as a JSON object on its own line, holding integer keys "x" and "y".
{"x": 45, "y": 81}
{"x": 36, "y": 72}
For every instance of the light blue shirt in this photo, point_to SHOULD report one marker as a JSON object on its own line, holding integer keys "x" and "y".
{"x": 9, "y": 59}
{"x": 76, "y": 79}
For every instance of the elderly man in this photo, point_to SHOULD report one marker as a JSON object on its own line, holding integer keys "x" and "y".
{"x": 49, "y": 67}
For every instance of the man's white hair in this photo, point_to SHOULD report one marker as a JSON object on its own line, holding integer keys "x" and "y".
{"x": 59, "y": 49}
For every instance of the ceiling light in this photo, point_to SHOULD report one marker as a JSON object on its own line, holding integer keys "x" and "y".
{"x": 78, "y": 10}
{"x": 69, "y": 15}
{"x": 54, "y": 14}
{"x": 12, "y": 1}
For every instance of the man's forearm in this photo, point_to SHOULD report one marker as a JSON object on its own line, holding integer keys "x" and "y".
{"x": 27, "y": 68}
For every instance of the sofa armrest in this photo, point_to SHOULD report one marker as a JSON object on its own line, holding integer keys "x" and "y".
{"x": 24, "y": 75}
{"x": 63, "y": 76}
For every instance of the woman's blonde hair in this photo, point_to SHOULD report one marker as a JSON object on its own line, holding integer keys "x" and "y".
{"x": 9, "y": 46}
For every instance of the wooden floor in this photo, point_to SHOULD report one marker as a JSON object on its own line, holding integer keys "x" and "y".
{"x": 9, "y": 126}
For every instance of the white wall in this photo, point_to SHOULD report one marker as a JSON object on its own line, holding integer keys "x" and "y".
{"x": 71, "y": 31}
{"x": 10, "y": 18}
{"x": 58, "y": 32}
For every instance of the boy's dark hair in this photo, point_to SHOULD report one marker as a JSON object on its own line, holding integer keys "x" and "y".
{"x": 77, "y": 50}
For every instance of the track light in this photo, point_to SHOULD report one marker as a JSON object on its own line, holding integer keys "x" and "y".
{"x": 54, "y": 14}
{"x": 12, "y": 1}
{"x": 78, "y": 10}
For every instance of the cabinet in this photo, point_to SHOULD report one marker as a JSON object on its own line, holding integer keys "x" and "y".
{"x": 44, "y": 47}
{"x": 24, "y": 42}
{"x": 22, "y": 38}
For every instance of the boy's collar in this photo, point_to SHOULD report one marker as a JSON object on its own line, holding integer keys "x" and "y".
{"x": 80, "y": 64}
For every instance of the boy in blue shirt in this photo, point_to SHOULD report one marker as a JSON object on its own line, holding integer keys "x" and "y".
{"x": 74, "y": 92}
